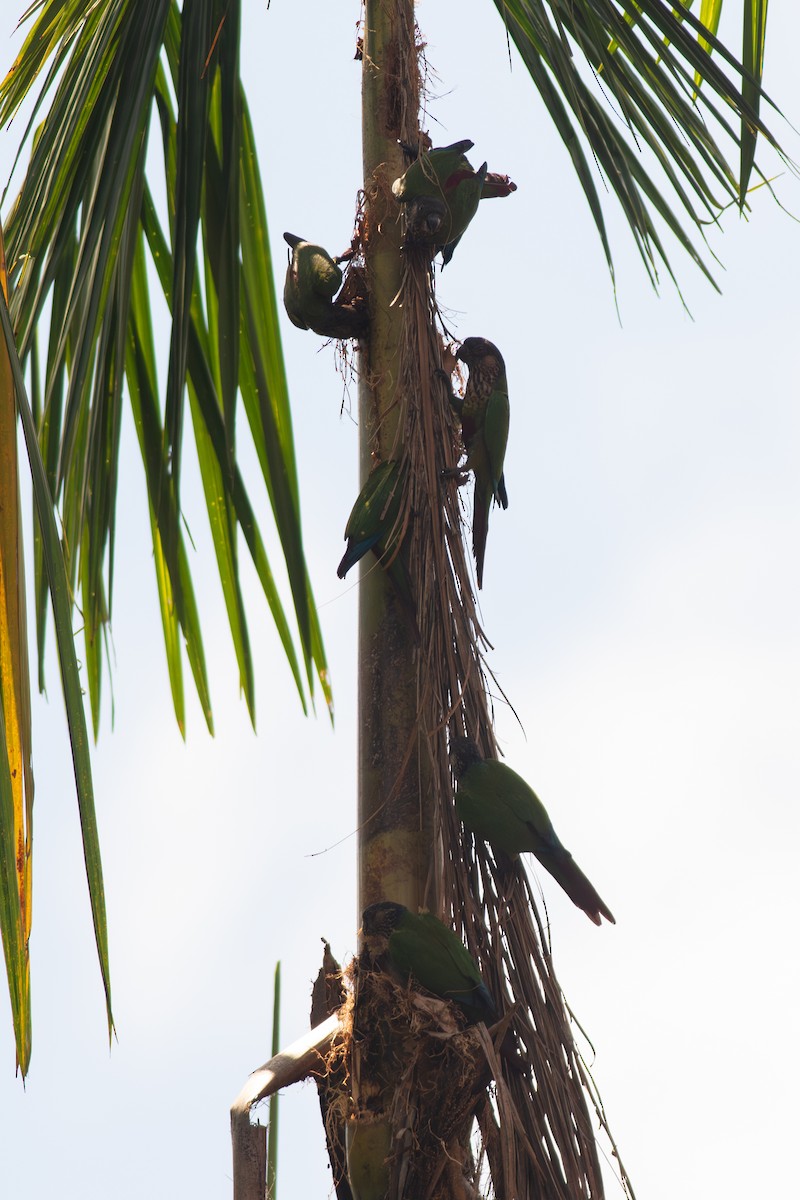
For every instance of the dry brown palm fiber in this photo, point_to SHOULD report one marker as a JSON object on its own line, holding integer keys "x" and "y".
{"x": 546, "y": 1122}
{"x": 541, "y": 1138}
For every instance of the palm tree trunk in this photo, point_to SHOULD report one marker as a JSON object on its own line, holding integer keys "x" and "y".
{"x": 395, "y": 820}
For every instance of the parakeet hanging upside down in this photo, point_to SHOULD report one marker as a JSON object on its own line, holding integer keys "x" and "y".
{"x": 484, "y": 413}
{"x": 441, "y": 191}
{"x": 496, "y": 804}
{"x": 434, "y": 172}
{"x": 312, "y": 280}
{"x": 423, "y": 949}
{"x": 431, "y": 168}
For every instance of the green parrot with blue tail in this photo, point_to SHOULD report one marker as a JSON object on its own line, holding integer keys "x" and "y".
{"x": 497, "y": 805}
{"x": 373, "y": 525}
{"x": 374, "y": 516}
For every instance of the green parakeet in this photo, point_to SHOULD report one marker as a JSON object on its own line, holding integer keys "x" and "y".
{"x": 374, "y": 516}
{"x": 496, "y": 804}
{"x": 432, "y": 172}
{"x": 484, "y": 413}
{"x": 312, "y": 280}
{"x": 423, "y": 949}
{"x": 372, "y": 525}
{"x": 441, "y": 191}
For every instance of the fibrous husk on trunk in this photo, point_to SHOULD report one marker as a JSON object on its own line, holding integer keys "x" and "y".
{"x": 536, "y": 1130}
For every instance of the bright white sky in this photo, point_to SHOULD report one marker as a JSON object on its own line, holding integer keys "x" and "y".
{"x": 641, "y": 593}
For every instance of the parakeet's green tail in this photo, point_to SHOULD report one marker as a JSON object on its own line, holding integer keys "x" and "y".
{"x": 480, "y": 521}
{"x": 581, "y": 891}
{"x": 480, "y": 528}
{"x": 496, "y": 804}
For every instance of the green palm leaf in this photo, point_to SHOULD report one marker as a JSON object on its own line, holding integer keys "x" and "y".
{"x": 646, "y": 61}
{"x": 85, "y": 242}
{"x": 16, "y": 778}
{"x": 73, "y": 701}
{"x": 74, "y": 235}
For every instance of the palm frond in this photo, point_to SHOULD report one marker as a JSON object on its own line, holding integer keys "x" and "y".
{"x": 622, "y": 76}
{"x": 79, "y": 236}
{"x": 16, "y": 779}
{"x": 60, "y": 593}
{"x": 85, "y": 243}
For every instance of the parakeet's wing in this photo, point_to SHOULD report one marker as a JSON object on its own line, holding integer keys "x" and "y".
{"x": 460, "y": 963}
{"x": 449, "y": 249}
{"x": 425, "y": 948}
{"x": 325, "y": 276}
{"x": 510, "y": 790}
{"x": 376, "y": 505}
{"x": 427, "y": 175}
{"x": 483, "y": 803}
{"x": 463, "y": 190}
{"x": 312, "y": 281}
{"x": 373, "y": 515}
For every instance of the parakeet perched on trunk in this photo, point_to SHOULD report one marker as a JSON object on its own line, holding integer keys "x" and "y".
{"x": 312, "y": 280}
{"x": 441, "y": 191}
{"x": 423, "y": 949}
{"x": 373, "y": 525}
{"x": 496, "y": 804}
{"x": 484, "y": 413}
{"x": 434, "y": 172}
{"x": 372, "y": 521}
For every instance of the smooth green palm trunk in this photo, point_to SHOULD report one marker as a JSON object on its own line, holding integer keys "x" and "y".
{"x": 395, "y": 822}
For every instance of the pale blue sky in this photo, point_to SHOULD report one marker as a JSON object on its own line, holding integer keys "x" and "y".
{"x": 642, "y": 595}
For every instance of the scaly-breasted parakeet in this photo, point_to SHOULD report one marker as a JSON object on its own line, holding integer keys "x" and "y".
{"x": 484, "y": 413}
{"x": 496, "y": 804}
{"x": 423, "y": 949}
{"x": 312, "y": 280}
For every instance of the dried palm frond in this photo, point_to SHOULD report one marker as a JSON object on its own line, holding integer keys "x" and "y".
{"x": 535, "y": 1126}
{"x": 545, "y": 1126}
